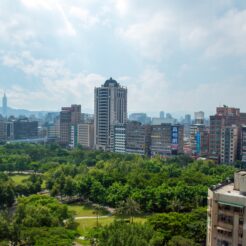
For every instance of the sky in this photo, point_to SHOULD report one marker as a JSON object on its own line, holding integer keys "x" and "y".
{"x": 173, "y": 55}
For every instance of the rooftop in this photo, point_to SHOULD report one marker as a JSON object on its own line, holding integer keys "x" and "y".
{"x": 111, "y": 82}
{"x": 232, "y": 187}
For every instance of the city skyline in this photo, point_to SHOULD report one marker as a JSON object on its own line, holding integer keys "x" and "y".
{"x": 172, "y": 56}
{"x": 161, "y": 115}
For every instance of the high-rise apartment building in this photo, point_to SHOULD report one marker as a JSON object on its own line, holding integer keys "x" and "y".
{"x": 243, "y": 144}
{"x": 110, "y": 108}
{"x": 224, "y": 117}
{"x": 229, "y": 144}
{"x": 69, "y": 118}
{"x": 199, "y": 140}
{"x": 226, "y": 225}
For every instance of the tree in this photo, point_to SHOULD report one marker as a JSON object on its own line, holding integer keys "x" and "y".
{"x": 122, "y": 234}
{"x": 128, "y": 208}
{"x": 181, "y": 241}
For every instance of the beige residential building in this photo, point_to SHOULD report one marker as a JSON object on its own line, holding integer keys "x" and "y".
{"x": 227, "y": 213}
{"x": 86, "y": 135}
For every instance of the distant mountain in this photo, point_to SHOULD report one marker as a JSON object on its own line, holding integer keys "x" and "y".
{"x": 18, "y": 112}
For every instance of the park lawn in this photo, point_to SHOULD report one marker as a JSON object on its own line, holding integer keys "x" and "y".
{"x": 19, "y": 178}
{"x": 82, "y": 210}
{"x": 84, "y": 225}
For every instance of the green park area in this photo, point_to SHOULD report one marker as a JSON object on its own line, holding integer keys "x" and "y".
{"x": 19, "y": 178}
{"x": 172, "y": 192}
{"x": 88, "y": 218}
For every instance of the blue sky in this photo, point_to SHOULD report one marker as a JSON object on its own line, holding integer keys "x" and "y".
{"x": 176, "y": 56}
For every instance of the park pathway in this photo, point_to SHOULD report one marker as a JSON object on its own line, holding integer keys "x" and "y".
{"x": 91, "y": 217}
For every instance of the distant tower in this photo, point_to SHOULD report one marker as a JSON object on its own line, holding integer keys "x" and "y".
{"x": 5, "y": 106}
{"x": 162, "y": 115}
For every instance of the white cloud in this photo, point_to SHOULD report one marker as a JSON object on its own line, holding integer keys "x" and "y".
{"x": 228, "y": 35}
{"x": 37, "y": 4}
{"x": 86, "y": 18}
{"x": 122, "y": 7}
{"x": 58, "y": 85}
{"x": 42, "y": 68}
{"x": 151, "y": 37}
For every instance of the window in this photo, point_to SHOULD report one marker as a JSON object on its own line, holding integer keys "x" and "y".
{"x": 223, "y": 243}
{"x": 225, "y": 219}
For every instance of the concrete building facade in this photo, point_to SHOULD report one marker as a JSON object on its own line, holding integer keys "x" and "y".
{"x": 226, "y": 223}
{"x": 243, "y": 144}
{"x": 224, "y": 117}
{"x": 118, "y": 137}
{"x": 85, "y": 135}
{"x": 229, "y": 144}
{"x": 199, "y": 140}
{"x": 138, "y": 138}
{"x": 167, "y": 140}
{"x": 69, "y": 117}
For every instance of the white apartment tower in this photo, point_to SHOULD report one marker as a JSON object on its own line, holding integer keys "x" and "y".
{"x": 110, "y": 104}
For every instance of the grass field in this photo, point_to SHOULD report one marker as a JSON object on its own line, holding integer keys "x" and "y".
{"x": 84, "y": 225}
{"x": 83, "y": 210}
{"x": 18, "y": 179}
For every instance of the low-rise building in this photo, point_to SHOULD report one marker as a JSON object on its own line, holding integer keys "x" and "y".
{"x": 85, "y": 135}
{"x": 167, "y": 140}
{"x": 118, "y": 138}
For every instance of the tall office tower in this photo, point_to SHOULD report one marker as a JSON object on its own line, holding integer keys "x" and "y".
{"x": 69, "y": 118}
{"x": 138, "y": 138}
{"x": 167, "y": 139}
{"x": 162, "y": 114}
{"x": 110, "y": 106}
{"x": 199, "y": 117}
{"x": 5, "y": 106}
{"x": 86, "y": 135}
{"x": 199, "y": 140}
{"x": 226, "y": 225}
{"x": 243, "y": 144}
{"x": 224, "y": 116}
